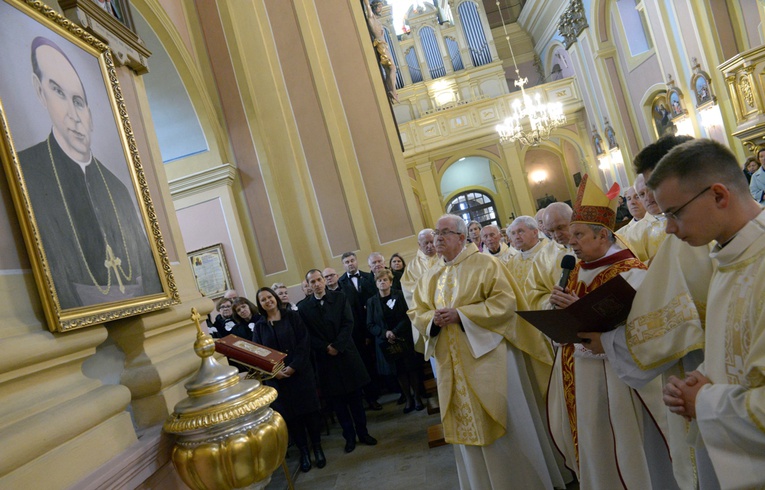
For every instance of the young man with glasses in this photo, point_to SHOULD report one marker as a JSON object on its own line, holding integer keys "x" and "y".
{"x": 702, "y": 191}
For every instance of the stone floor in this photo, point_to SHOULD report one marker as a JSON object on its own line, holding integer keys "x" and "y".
{"x": 401, "y": 458}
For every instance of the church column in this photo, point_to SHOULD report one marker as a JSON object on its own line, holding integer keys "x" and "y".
{"x": 513, "y": 155}
{"x": 590, "y": 163}
{"x": 432, "y": 207}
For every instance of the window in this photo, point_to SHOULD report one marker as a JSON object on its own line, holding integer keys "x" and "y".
{"x": 635, "y": 25}
{"x": 474, "y": 206}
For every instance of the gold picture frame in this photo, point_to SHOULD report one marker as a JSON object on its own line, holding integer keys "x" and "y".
{"x": 211, "y": 271}
{"x": 74, "y": 173}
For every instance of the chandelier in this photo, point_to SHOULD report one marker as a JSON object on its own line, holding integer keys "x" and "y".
{"x": 532, "y": 120}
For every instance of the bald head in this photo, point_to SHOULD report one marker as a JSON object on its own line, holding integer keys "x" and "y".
{"x": 557, "y": 219}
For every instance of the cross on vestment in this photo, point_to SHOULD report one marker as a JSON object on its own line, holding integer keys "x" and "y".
{"x": 113, "y": 262}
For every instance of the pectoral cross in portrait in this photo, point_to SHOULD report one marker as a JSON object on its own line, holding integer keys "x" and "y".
{"x": 113, "y": 262}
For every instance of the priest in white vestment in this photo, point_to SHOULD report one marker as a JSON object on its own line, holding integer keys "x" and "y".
{"x": 702, "y": 191}
{"x": 664, "y": 334}
{"x": 546, "y": 269}
{"x": 606, "y": 430}
{"x": 464, "y": 308}
{"x": 493, "y": 245}
{"x": 425, "y": 259}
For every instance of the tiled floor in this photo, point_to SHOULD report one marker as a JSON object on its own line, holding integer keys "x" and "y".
{"x": 401, "y": 458}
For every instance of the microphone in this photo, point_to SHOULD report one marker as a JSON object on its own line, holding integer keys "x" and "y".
{"x": 567, "y": 263}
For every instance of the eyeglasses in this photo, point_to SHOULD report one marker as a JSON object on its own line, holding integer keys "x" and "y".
{"x": 445, "y": 233}
{"x": 674, "y": 214}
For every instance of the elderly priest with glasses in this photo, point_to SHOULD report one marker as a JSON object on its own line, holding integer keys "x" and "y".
{"x": 464, "y": 307}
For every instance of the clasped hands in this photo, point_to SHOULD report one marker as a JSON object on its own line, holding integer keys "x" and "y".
{"x": 446, "y": 316}
{"x": 680, "y": 394}
{"x": 391, "y": 337}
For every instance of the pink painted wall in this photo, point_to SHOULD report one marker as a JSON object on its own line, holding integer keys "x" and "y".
{"x": 216, "y": 230}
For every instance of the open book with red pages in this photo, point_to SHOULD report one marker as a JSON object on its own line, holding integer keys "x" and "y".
{"x": 602, "y": 310}
{"x": 251, "y": 354}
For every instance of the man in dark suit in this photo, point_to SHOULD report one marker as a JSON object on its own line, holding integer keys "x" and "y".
{"x": 358, "y": 287}
{"x": 329, "y": 320}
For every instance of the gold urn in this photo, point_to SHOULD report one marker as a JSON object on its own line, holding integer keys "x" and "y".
{"x": 227, "y": 435}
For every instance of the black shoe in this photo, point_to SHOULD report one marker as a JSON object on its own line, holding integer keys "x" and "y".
{"x": 350, "y": 446}
{"x": 375, "y": 406}
{"x": 305, "y": 460}
{"x": 409, "y": 408}
{"x": 419, "y": 407}
{"x": 368, "y": 440}
{"x": 401, "y": 400}
{"x": 318, "y": 455}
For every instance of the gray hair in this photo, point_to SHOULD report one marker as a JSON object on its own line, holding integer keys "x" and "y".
{"x": 375, "y": 254}
{"x": 596, "y": 229}
{"x": 422, "y": 233}
{"x": 459, "y": 223}
{"x": 278, "y": 285}
{"x": 528, "y": 221}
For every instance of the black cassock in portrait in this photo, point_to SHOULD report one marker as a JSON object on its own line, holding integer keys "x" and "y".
{"x": 95, "y": 243}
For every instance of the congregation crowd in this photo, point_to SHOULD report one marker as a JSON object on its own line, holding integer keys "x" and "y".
{"x": 672, "y": 398}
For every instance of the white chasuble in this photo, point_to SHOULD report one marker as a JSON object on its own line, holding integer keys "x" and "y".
{"x": 604, "y": 428}
{"x": 644, "y": 237}
{"x": 415, "y": 269}
{"x": 731, "y": 411}
{"x": 499, "y": 439}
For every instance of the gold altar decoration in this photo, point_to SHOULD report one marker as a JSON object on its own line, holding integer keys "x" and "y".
{"x": 227, "y": 435}
{"x": 745, "y": 80}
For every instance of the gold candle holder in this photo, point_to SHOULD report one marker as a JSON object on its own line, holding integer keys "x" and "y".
{"x": 227, "y": 436}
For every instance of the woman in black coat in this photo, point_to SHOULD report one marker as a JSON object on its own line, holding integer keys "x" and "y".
{"x": 388, "y": 322}
{"x": 397, "y": 267}
{"x": 298, "y": 400}
{"x": 246, "y": 316}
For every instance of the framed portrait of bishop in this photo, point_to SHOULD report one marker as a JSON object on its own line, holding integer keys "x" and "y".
{"x": 74, "y": 173}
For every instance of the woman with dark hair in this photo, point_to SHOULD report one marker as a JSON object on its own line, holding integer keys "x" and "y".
{"x": 224, "y": 322}
{"x": 388, "y": 322}
{"x": 298, "y": 401}
{"x": 397, "y": 267}
{"x": 245, "y": 316}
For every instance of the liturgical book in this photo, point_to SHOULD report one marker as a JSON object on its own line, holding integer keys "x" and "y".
{"x": 251, "y": 354}
{"x": 600, "y": 311}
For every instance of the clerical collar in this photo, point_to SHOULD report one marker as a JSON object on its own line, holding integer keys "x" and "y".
{"x": 83, "y": 165}
{"x": 730, "y": 250}
{"x": 525, "y": 254}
